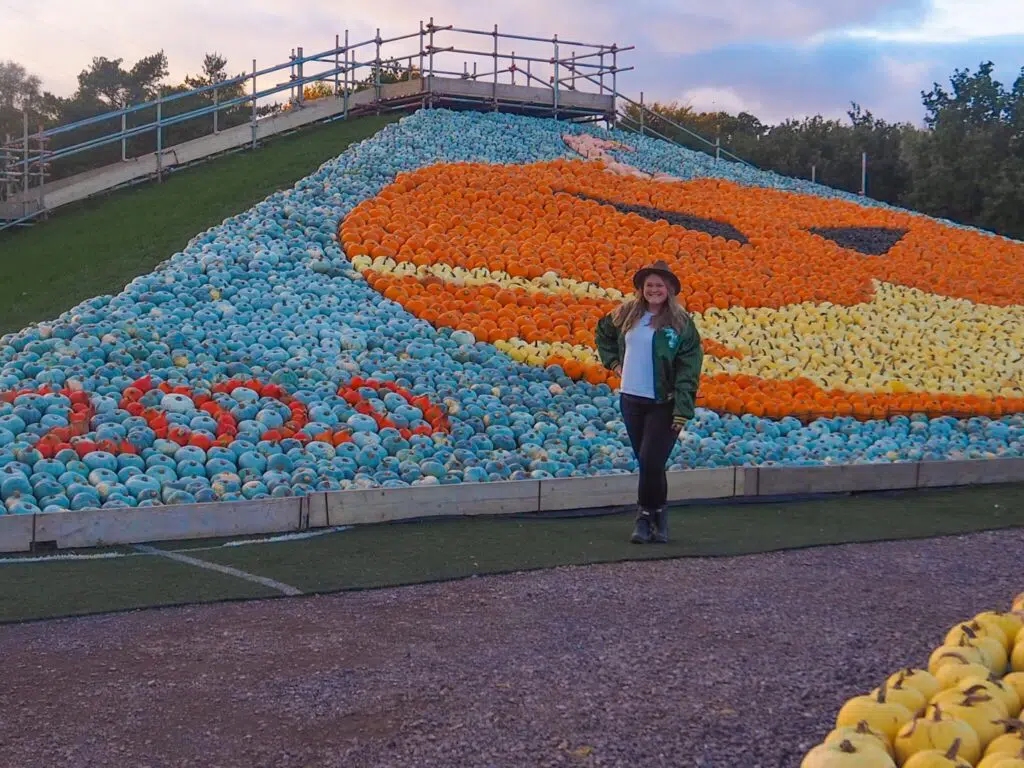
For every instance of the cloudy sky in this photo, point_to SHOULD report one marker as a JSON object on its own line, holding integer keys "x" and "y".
{"x": 775, "y": 58}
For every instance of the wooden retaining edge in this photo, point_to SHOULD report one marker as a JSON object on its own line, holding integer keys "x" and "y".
{"x": 21, "y": 533}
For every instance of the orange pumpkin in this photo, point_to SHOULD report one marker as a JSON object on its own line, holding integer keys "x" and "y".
{"x": 534, "y": 255}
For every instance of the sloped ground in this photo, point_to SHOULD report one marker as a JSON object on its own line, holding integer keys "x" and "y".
{"x": 737, "y": 662}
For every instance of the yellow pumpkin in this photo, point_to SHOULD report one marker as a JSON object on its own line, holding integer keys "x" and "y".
{"x": 1013, "y": 760}
{"x": 953, "y": 654}
{"x": 846, "y": 754}
{"x": 974, "y": 629}
{"x": 978, "y": 710}
{"x": 950, "y": 675}
{"x": 860, "y": 735}
{"x": 981, "y": 698}
{"x": 919, "y": 679}
{"x": 882, "y": 715}
{"x": 1018, "y": 603}
{"x": 1007, "y": 745}
{"x": 996, "y": 688}
{"x": 936, "y": 731}
{"x": 1016, "y": 681}
{"x": 911, "y": 698}
{"x": 935, "y": 758}
{"x": 993, "y": 653}
{"x": 1017, "y": 657}
{"x": 1011, "y": 622}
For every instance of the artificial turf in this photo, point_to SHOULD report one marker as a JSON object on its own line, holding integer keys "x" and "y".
{"x": 97, "y": 246}
{"x": 434, "y": 550}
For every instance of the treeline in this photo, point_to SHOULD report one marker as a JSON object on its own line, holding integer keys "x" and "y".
{"x": 965, "y": 164}
{"x": 108, "y": 85}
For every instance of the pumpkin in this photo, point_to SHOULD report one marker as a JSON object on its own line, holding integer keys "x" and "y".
{"x": 861, "y": 734}
{"x": 846, "y": 754}
{"x": 996, "y": 688}
{"x": 934, "y": 758}
{"x": 1010, "y": 622}
{"x": 528, "y": 258}
{"x": 938, "y": 731}
{"x": 1017, "y": 657}
{"x": 920, "y": 679}
{"x": 993, "y": 701}
{"x": 899, "y": 692}
{"x": 950, "y": 675}
{"x": 1009, "y": 744}
{"x": 1016, "y": 681}
{"x": 1011, "y": 760}
{"x": 979, "y": 710}
{"x": 954, "y": 654}
{"x": 973, "y": 629}
{"x": 882, "y": 715}
{"x": 1018, "y": 603}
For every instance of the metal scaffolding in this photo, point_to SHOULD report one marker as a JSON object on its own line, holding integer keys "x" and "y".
{"x": 523, "y": 74}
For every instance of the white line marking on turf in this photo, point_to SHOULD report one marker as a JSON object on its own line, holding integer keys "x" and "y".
{"x": 115, "y": 555}
{"x": 284, "y": 588}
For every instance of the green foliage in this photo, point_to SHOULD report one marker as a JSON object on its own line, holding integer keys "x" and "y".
{"x": 966, "y": 164}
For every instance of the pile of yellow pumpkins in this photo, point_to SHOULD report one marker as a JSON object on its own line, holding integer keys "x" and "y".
{"x": 963, "y": 711}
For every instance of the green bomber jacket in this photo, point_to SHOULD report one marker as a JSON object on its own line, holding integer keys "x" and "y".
{"x": 678, "y": 359}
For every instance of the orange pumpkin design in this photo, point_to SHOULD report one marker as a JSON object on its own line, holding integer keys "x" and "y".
{"x": 795, "y": 322}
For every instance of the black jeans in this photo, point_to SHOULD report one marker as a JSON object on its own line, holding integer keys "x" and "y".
{"x": 649, "y": 425}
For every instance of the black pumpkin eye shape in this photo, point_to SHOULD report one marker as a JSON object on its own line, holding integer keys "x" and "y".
{"x": 870, "y": 241}
{"x": 685, "y": 220}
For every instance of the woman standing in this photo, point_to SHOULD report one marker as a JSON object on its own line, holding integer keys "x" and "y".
{"x": 652, "y": 343}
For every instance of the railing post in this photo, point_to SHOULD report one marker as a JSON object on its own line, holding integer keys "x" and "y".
{"x": 512, "y": 67}
{"x": 24, "y": 170}
{"x": 254, "y": 103}
{"x": 642, "y": 113}
{"x": 718, "y": 148}
{"x": 430, "y": 62}
{"x": 300, "y": 76}
{"x": 159, "y": 138}
{"x": 814, "y": 171}
{"x": 376, "y": 77}
{"x": 555, "y": 41}
{"x": 601, "y": 71}
{"x": 216, "y": 102}
{"x": 291, "y": 76}
{"x": 615, "y": 76}
{"x": 124, "y": 140}
{"x": 337, "y": 65}
{"x": 863, "y": 173}
{"x": 347, "y": 76}
{"x": 421, "y": 49}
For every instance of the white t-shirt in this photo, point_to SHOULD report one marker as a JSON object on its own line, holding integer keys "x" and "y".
{"x": 638, "y": 367}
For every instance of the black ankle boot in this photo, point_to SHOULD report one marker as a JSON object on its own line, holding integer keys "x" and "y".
{"x": 642, "y": 527}
{"x": 659, "y": 522}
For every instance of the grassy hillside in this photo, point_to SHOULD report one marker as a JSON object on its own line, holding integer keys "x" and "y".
{"x": 97, "y": 246}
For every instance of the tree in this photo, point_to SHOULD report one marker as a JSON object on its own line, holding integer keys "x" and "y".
{"x": 18, "y": 91}
{"x": 117, "y": 87}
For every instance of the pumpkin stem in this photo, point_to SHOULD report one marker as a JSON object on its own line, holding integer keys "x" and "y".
{"x": 881, "y": 692}
{"x": 864, "y": 727}
{"x": 968, "y": 631}
{"x": 938, "y": 713}
{"x": 1011, "y": 725}
{"x": 847, "y": 746}
{"x": 953, "y": 749}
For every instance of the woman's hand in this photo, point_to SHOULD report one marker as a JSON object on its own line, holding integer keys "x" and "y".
{"x": 678, "y": 424}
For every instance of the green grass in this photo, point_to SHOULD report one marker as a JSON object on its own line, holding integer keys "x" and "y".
{"x": 42, "y": 590}
{"x": 434, "y": 550}
{"x": 385, "y": 555}
{"x": 97, "y": 246}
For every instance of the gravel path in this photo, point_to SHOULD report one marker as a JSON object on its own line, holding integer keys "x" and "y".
{"x": 739, "y": 663}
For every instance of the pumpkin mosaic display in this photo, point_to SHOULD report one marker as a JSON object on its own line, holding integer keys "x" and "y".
{"x": 420, "y": 309}
{"x": 808, "y": 306}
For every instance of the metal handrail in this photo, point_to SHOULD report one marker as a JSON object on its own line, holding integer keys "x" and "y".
{"x": 24, "y": 162}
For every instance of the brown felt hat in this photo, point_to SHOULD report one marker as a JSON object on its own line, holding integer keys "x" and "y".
{"x": 659, "y": 268}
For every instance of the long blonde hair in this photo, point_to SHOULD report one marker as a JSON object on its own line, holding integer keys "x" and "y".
{"x": 632, "y": 309}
